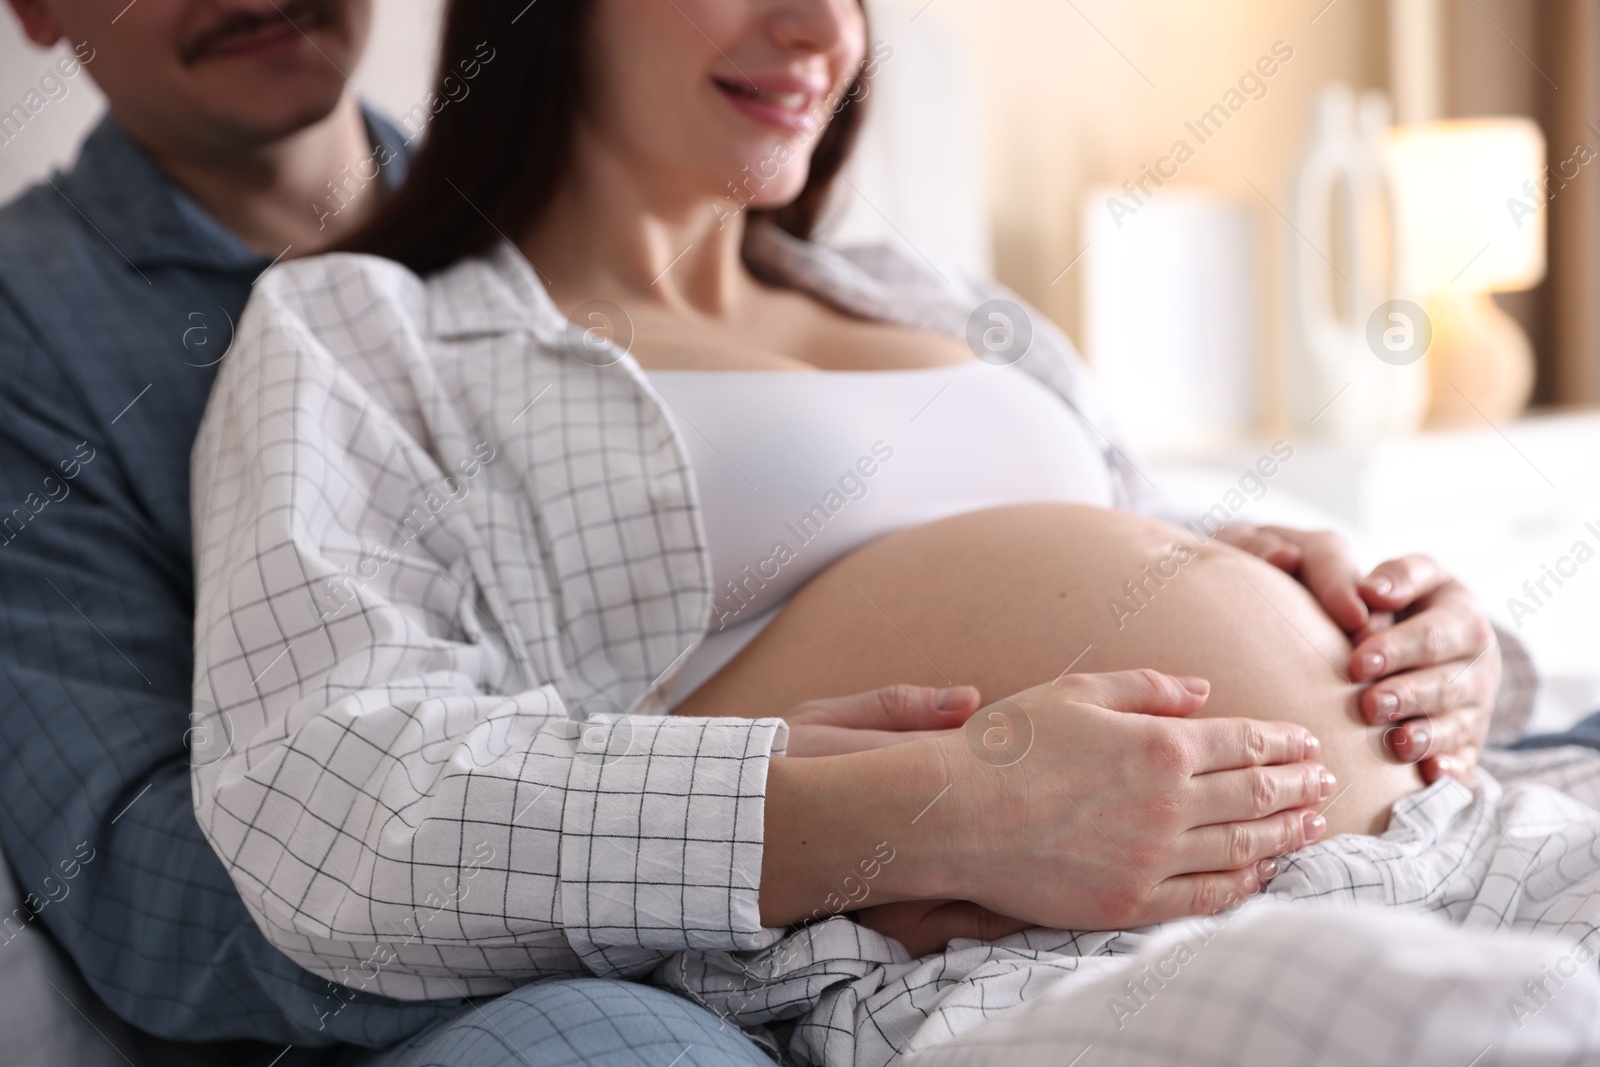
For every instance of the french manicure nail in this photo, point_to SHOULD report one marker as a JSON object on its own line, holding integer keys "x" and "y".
{"x": 1328, "y": 782}
{"x": 1314, "y": 825}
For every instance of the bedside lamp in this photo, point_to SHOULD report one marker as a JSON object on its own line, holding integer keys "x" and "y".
{"x": 1469, "y": 221}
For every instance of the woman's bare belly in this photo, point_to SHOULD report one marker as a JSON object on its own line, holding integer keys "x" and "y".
{"x": 1009, "y": 598}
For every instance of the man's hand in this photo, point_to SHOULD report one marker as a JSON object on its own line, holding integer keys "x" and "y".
{"x": 835, "y": 726}
{"x": 1419, "y": 636}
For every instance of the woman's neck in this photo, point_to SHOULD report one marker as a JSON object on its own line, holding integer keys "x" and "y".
{"x": 608, "y": 234}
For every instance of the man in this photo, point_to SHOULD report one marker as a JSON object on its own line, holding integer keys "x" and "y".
{"x": 234, "y": 140}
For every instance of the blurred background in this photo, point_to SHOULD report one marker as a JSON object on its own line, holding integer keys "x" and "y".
{"x": 1369, "y": 228}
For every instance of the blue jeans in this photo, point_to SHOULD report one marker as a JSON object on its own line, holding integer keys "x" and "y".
{"x": 566, "y": 1022}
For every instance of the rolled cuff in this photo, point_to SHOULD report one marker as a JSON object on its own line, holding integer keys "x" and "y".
{"x": 662, "y": 839}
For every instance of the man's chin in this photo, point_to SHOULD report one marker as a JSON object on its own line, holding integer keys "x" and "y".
{"x": 272, "y": 116}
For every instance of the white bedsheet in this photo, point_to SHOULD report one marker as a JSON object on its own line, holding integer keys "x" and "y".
{"x": 1466, "y": 904}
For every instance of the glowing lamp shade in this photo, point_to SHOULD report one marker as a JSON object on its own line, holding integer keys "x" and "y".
{"x": 1469, "y": 221}
{"x": 1466, "y": 204}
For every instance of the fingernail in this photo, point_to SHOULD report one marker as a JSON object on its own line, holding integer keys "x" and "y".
{"x": 1198, "y": 686}
{"x": 1373, "y": 662}
{"x": 1314, "y": 825}
{"x": 1313, "y": 746}
{"x": 1380, "y": 585}
{"x": 950, "y": 699}
{"x": 1410, "y": 743}
{"x": 1328, "y": 782}
{"x": 1388, "y": 707}
{"x": 1266, "y": 871}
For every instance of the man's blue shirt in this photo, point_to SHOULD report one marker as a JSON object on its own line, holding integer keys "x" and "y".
{"x": 118, "y": 296}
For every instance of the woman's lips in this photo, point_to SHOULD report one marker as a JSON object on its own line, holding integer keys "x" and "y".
{"x": 784, "y": 107}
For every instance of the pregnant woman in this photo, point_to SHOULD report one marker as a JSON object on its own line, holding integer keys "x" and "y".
{"x": 587, "y": 431}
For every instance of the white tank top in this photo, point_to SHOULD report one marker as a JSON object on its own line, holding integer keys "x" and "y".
{"x": 797, "y": 469}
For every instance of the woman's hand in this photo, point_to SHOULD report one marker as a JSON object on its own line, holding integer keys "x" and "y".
{"x": 891, "y": 715}
{"x": 1437, "y": 660}
{"x": 894, "y": 715}
{"x": 1099, "y": 805}
{"x": 1419, "y": 635}
{"x": 1321, "y": 559}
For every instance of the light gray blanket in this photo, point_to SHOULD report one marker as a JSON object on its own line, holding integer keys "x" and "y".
{"x": 1466, "y": 934}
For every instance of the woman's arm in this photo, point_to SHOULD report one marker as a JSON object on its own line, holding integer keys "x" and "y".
{"x": 397, "y": 788}
{"x": 1123, "y": 812}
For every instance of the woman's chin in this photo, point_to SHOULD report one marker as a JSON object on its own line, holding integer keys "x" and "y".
{"x": 765, "y": 177}
{"x": 774, "y": 200}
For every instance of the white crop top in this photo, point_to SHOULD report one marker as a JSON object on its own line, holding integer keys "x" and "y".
{"x": 797, "y": 469}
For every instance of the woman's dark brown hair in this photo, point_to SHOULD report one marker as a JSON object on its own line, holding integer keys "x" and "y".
{"x": 495, "y": 154}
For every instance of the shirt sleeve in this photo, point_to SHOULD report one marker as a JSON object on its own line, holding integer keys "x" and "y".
{"x": 401, "y": 794}
{"x": 96, "y": 817}
{"x": 1519, "y": 686}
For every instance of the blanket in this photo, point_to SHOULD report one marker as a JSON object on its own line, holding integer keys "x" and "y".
{"x": 1466, "y": 934}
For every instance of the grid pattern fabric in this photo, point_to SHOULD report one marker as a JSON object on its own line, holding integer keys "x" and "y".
{"x": 1430, "y": 930}
{"x": 424, "y": 655}
{"x": 448, "y": 570}
{"x": 1290, "y": 987}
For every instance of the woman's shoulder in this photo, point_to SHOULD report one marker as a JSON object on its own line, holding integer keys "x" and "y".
{"x": 336, "y": 322}
{"x": 333, "y": 286}
{"x": 892, "y": 264}
{"x": 354, "y": 295}
{"x": 359, "y": 327}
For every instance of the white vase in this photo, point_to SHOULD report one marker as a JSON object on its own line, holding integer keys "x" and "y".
{"x": 1350, "y": 375}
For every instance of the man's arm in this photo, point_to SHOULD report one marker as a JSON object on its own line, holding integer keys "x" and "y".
{"x": 96, "y": 815}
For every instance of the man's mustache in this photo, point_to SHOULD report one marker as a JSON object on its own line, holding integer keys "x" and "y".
{"x": 306, "y": 14}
